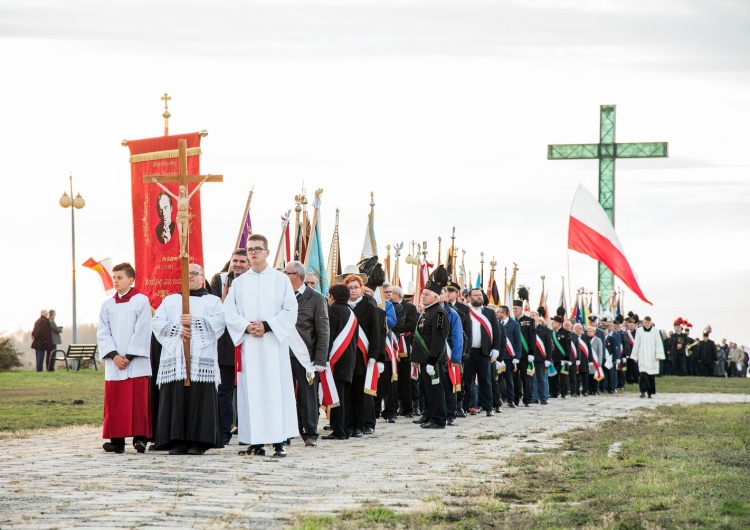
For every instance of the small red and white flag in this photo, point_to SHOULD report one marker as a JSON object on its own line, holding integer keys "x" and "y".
{"x": 590, "y": 232}
{"x": 104, "y": 269}
{"x": 415, "y": 371}
{"x": 454, "y": 373}
{"x": 391, "y": 348}
{"x": 371, "y": 379}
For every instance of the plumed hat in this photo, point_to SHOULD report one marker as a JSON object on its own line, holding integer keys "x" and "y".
{"x": 542, "y": 312}
{"x": 619, "y": 319}
{"x": 438, "y": 279}
{"x": 560, "y": 311}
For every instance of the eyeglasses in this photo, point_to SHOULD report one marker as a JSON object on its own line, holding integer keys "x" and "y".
{"x": 193, "y": 273}
{"x": 289, "y": 273}
{"x": 255, "y": 250}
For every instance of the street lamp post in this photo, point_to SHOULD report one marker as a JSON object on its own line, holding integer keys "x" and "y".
{"x": 67, "y": 201}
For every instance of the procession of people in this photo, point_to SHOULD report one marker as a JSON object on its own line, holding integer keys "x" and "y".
{"x": 271, "y": 358}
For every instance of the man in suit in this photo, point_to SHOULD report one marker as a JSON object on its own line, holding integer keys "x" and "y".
{"x": 406, "y": 322}
{"x": 485, "y": 344}
{"x": 463, "y": 313}
{"x": 528, "y": 338}
{"x": 165, "y": 229}
{"x": 312, "y": 326}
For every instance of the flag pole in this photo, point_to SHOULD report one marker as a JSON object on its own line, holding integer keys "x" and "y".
{"x": 244, "y": 217}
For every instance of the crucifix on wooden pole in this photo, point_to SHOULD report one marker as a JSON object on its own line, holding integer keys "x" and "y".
{"x": 606, "y": 151}
{"x": 183, "y": 225}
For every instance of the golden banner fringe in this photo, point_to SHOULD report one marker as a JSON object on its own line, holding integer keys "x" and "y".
{"x": 161, "y": 155}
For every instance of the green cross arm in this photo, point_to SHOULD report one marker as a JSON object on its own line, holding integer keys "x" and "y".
{"x": 594, "y": 151}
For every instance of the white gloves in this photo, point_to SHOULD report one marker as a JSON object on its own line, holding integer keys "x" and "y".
{"x": 591, "y": 367}
{"x": 494, "y": 354}
{"x": 381, "y": 368}
{"x": 320, "y": 368}
{"x": 578, "y": 363}
{"x": 370, "y": 362}
{"x": 497, "y": 365}
{"x": 430, "y": 370}
{"x": 618, "y": 362}
{"x": 546, "y": 364}
{"x": 515, "y": 361}
{"x": 531, "y": 358}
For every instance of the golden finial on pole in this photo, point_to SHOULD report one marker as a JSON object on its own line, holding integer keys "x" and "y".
{"x": 440, "y": 240}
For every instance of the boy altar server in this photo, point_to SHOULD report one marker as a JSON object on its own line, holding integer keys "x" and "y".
{"x": 124, "y": 339}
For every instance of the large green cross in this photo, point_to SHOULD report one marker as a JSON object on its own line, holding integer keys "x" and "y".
{"x": 606, "y": 151}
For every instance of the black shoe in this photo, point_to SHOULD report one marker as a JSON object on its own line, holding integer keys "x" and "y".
{"x": 195, "y": 450}
{"x": 585, "y": 393}
{"x": 140, "y": 446}
{"x": 498, "y": 409}
{"x": 179, "y": 450}
{"x": 451, "y": 422}
{"x": 461, "y": 413}
{"x": 356, "y": 433}
{"x": 279, "y": 452}
{"x": 113, "y": 448}
{"x": 649, "y": 396}
{"x": 391, "y": 420}
{"x": 408, "y": 415}
{"x": 536, "y": 401}
{"x": 421, "y": 419}
{"x": 327, "y": 428}
{"x": 544, "y": 402}
{"x": 490, "y": 413}
{"x": 368, "y": 430}
{"x": 525, "y": 403}
{"x": 333, "y": 437}
{"x": 511, "y": 405}
{"x": 430, "y": 425}
{"x": 227, "y": 439}
{"x": 643, "y": 394}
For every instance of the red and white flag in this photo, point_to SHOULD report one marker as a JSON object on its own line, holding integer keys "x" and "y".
{"x": 391, "y": 349}
{"x": 104, "y": 269}
{"x": 590, "y": 232}
{"x": 414, "y": 371}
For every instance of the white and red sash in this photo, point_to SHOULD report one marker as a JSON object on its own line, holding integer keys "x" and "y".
{"x": 584, "y": 348}
{"x": 363, "y": 343}
{"x": 341, "y": 342}
{"x": 573, "y": 350}
{"x": 509, "y": 348}
{"x": 414, "y": 371}
{"x": 540, "y": 345}
{"x": 329, "y": 396}
{"x": 629, "y": 335}
{"x": 598, "y": 374}
{"x": 483, "y": 321}
{"x": 371, "y": 379}
{"x": 454, "y": 373}
{"x": 402, "y": 352}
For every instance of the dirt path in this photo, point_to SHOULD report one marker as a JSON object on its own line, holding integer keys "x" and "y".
{"x": 62, "y": 479}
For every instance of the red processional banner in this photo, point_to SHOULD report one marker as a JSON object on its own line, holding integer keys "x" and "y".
{"x": 155, "y": 233}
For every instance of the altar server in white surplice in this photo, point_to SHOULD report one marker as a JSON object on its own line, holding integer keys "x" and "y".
{"x": 261, "y": 313}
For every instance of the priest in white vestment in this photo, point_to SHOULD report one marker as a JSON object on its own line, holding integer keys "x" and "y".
{"x": 648, "y": 350}
{"x": 261, "y": 312}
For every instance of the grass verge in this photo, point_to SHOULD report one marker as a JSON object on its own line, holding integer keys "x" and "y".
{"x": 41, "y": 400}
{"x": 699, "y": 385}
{"x": 677, "y": 467}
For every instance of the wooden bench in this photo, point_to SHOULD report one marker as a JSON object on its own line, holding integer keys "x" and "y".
{"x": 77, "y": 351}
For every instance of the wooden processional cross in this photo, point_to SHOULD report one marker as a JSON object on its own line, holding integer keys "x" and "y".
{"x": 183, "y": 225}
{"x": 606, "y": 151}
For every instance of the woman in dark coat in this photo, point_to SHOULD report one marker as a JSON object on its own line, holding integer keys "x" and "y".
{"x": 343, "y": 348}
{"x": 41, "y": 339}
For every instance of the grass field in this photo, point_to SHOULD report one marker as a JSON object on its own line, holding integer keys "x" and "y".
{"x": 677, "y": 467}
{"x": 701, "y": 385}
{"x": 41, "y": 400}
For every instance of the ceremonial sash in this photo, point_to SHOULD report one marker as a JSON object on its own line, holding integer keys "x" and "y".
{"x": 363, "y": 343}
{"x": 540, "y": 345}
{"x": 402, "y": 353}
{"x": 371, "y": 379}
{"x": 573, "y": 353}
{"x": 329, "y": 396}
{"x": 414, "y": 372}
{"x": 390, "y": 350}
{"x": 342, "y": 340}
{"x": 598, "y": 374}
{"x": 509, "y": 348}
{"x": 420, "y": 340}
{"x": 557, "y": 343}
{"x": 454, "y": 372}
{"x": 483, "y": 321}
{"x": 584, "y": 348}
{"x": 524, "y": 344}
{"x": 630, "y": 337}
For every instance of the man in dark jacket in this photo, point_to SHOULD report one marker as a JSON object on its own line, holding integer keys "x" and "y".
{"x": 41, "y": 339}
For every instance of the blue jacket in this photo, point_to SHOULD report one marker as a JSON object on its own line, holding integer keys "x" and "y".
{"x": 513, "y": 332}
{"x": 456, "y": 337}
{"x": 390, "y": 315}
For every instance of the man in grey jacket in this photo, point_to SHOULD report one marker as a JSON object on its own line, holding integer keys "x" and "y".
{"x": 312, "y": 326}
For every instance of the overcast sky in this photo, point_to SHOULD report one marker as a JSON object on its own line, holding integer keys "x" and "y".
{"x": 443, "y": 109}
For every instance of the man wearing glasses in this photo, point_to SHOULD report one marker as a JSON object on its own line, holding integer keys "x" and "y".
{"x": 261, "y": 314}
{"x": 188, "y": 420}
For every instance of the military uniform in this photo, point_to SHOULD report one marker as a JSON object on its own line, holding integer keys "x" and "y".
{"x": 560, "y": 351}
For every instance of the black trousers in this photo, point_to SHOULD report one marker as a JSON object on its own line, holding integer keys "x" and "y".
{"x": 226, "y": 399}
{"x": 307, "y": 401}
{"x": 478, "y": 365}
{"x": 434, "y": 396}
{"x": 509, "y": 391}
{"x": 558, "y": 385}
{"x": 403, "y": 386}
{"x": 497, "y": 397}
{"x": 680, "y": 363}
{"x": 356, "y": 407}
{"x": 338, "y": 414}
{"x": 521, "y": 383}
